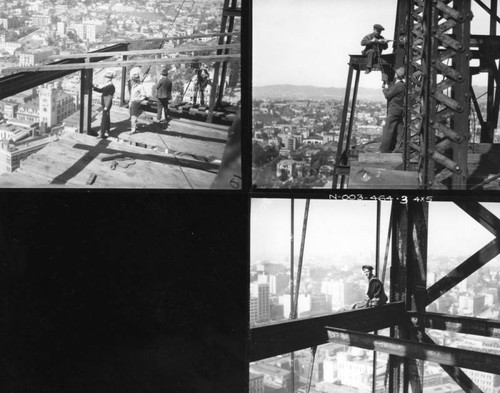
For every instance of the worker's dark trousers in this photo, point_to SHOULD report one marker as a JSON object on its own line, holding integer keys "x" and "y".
{"x": 392, "y": 134}
{"x": 162, "y": 107}
{"x": 201, "y": 90}
{"x": 105, "y": 122}
{"x": 371, "y": 56}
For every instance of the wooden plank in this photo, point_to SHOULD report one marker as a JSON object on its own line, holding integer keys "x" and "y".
{"x": 195, "y": 138}
{"x": 289, "y": 336}
{"x": 124, "y": 63}
{"x": 74, "y": 157}
{"x": 364, "y": 176}
{"x": 473, "y": 360}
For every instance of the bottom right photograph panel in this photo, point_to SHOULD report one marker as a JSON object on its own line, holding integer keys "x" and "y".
{"x": 374, "y": 296}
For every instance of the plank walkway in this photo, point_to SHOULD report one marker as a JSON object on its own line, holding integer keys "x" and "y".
{"x": 181, "y": 154}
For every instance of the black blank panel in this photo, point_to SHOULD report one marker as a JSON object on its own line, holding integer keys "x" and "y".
{"x": 123, "y": 292}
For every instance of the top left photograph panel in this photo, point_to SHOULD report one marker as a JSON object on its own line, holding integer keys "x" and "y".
{"x": 120, "y": 94}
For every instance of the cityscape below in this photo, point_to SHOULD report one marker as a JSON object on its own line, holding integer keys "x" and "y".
{"x": 35, "y": 33}
{"x": 295, "y": 139}
{"x": 338, "y": 368}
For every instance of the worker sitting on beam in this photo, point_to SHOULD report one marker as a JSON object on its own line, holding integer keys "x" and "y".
{"x": 374, "y": 44}
{"x": 375, "y": 294}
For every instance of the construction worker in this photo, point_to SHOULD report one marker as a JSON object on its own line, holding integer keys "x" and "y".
{"x": 107, "y": 92}
{"x": 375, "y": 294}
{"x": 201, "y": 82}
{"x": 163, "y": 93}
{"x": 392, "y": 134}
{"x": 137, "y": 95}
{"x": 374, "y": 44}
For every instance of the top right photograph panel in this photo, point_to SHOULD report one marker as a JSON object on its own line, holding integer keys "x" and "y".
{"x": 392, "y": 94}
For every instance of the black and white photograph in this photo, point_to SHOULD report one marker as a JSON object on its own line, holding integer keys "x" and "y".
{"x": 380, "y": 94}
{"x": 374, "y": 296}
{"x": 120, "y": 94}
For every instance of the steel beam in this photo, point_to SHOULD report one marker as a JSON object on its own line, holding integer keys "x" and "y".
{"x": 127, "y": 63}
{"x": 17, "y": 83}
{"x": 123, "y": 83}
{"x": 289, "y": 336}
{"x": 489, "y": 11}
{"x": 473, "y": 360}
{"x": 228, "y": 39}
{"x": 459, "y": 324}
{"x": 398, "y": 275}
{"x": 417, "y": 285}
{"x": 340, "y": 144}
{"x": 345, "y": 151}
{"x": 469, "y": 266}
{"x": 461, "y": 93}
{"x": 482, "y": 215}
{"x": 175, "y": 38}
{"x": 148, "y": 51}
{"x": 232, "y": 12}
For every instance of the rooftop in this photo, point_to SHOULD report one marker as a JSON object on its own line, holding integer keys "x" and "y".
{"x": 181, "y": 154}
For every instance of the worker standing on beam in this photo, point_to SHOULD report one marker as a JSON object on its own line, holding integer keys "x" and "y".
{"x": 374, "y": 44}
{"x": 107, "y": 92}
{"x": 163, "y": 94}
{"x": 201, "y": 82}
{"x": 375, "y": 294}
{"x": 392, "y": 134}
{"x": 137, "y": 95}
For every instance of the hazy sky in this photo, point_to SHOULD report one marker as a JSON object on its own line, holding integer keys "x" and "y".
{"x": 308, "y": 42}
{"x": 348, "y": 228}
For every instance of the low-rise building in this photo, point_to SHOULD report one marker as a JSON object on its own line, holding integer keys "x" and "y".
{"x": 31, "y": 58}
{"x": 12, "y": 154}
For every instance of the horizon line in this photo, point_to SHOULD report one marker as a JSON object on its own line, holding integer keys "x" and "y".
{"x": 327, "y": 87}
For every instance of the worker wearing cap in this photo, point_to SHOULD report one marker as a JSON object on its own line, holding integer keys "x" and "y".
{"x": 137, "y": 95}
{"x": 374, "y": 44}
{"x": 375, "y": 294}
{"x": 107, "y": 92}
{"x": 201, "y": 82}
{"x": 163, "y": 93}
{"x": 392, "y": 134}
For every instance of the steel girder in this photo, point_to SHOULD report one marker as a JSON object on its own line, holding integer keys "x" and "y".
{"x": 278, "y": 339}
{"x": 418, "y": 350}
{"x": 17, "y": 83}
{"x": 459, "y": 324}
{"x": 437, "y": 111}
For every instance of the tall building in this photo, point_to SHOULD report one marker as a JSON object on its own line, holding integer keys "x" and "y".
{"x": 40, "y": 20}
{"x": 80, "y": 30}
{"x": 61, "y": 28}
{"x": 256, "y": 383}
{"x": 55, "y": 105}
{"x": 254, "y": 312}
{"x": 342, "y": 293}
{"x": 31, "y": 58}
{"x": 261, "y": 292}
{"x": 470, "y": 304}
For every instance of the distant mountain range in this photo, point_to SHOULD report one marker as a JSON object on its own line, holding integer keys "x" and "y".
{"x": 314, "y": 92}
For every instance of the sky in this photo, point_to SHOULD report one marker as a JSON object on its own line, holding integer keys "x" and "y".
{"x": 348, "y": 228}
{"x": 308, "y": 42}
